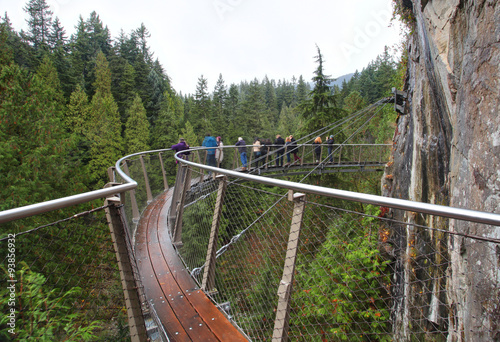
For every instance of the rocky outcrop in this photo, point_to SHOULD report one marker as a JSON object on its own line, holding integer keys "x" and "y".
{"x": 447, "y": 151}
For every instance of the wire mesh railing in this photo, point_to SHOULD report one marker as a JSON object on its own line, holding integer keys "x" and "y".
{"x": 61, "y": 281}
{"x": 363, "y": 269}
{"x": 327, "y": 266}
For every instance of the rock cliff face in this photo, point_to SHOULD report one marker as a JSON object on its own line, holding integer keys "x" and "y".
{"x": 447, "y": 151}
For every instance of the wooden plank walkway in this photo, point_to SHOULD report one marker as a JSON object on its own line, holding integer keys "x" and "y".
{"x": 186, "y": 312}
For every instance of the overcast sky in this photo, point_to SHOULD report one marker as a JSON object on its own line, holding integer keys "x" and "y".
{"x": 240, "y": 39}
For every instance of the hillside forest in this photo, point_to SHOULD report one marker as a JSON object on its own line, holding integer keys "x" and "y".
{"x": 72, "y": 105}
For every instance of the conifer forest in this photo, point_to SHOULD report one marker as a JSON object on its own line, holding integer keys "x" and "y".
{"x": 72, "y": 105}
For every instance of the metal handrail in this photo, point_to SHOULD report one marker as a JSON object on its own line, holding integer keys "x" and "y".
{"x": 420, "y": 207}
{"x": 130, "y": 184}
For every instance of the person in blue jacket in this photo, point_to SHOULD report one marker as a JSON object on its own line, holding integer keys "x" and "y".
{"x": 210, "y": 141}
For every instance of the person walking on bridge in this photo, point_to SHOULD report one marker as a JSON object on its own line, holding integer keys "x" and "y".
{"x": 242, "y": 148}
{"x": 293, "y": 144}
{"x": 210, "y": 141}
{"x": 181, "y": 146}
{"x": 317, "y": 148}
{"x": 219, "y": 153}
{"x": 256, "y": 151}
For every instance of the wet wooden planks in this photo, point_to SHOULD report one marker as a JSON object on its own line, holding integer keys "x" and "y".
{"x": 186, "y": 312}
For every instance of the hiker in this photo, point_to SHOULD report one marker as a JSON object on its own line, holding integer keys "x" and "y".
{"x": 317, "y": 148}
{"x": 181, "y": 146}
{"x": 242, "y": 148}
{"x": 219, "y": 152}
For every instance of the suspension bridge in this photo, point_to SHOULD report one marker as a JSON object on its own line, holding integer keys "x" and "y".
{"x": 225, "y": 255}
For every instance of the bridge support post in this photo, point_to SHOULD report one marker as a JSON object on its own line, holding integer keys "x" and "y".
{"x": 280, "y": 332}
{"x": 146, "y": 180}
{"x": 165, "y": 182}
{"x": 208, "y": 282}
{"x": 118, "y": 228}
{"x": 133, "y": 200}
{"x": 186, "y": 183}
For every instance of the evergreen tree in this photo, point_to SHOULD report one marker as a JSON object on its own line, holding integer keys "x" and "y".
{"x": 6, "y": 53}
{"x": 75, "y": 122}
{"x": 302, "y": 88}
{"x": 219, "y": 106}
{"x": 58, "y": 46}
{"x": 32, "y": 141}
{"x": 137, "y": 128}
{"x": 271, "y": 100}
{"x": 201, "y": 109}
{"x": 168, "y": 125}
{"x": 39, "y": 25}
{"x": 354, "y": 102}
{"x": 253, "y": 118}
{"x": 157, "y": 87}
{"x": 141, "y": 36}
{"x": 320, "y": 109}
{"x": 189, "y": 135}
{"x": 103, "y": 129}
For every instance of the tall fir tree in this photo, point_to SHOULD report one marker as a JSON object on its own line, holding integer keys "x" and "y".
{"x": 39, "y": 25}
{"x": 103, "y": 128}
{"x": 137, "y": 128}
{"x": 201, "y": 113}
{"x": 320, "y": 108}
{"x": 33, "y": 142}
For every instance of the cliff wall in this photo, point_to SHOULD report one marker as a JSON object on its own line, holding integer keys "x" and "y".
{"x": 447, "y": 151}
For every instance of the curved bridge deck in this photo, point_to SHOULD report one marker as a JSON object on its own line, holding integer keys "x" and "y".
{"x": 186, "y": 312}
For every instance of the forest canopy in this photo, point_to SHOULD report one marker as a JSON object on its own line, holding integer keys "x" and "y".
{"x": 89, "y": 98}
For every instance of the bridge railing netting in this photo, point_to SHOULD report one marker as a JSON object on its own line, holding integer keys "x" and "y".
{"x": 60, "y": 280}
{"x": 306, "y": 268}
{"x": 360, "y": 272}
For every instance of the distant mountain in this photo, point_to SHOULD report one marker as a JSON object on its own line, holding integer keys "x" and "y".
{"x": 338, "y": 81}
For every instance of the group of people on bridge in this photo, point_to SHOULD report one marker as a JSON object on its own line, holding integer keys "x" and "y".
{"x": 260, "y": 147}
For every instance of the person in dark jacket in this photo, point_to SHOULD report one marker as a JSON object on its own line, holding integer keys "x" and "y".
{"x": 242, "y": 148}
{"x": 317, "y": 148}
{"x": 181, "y": 146}
{"x": 279, "y": 150}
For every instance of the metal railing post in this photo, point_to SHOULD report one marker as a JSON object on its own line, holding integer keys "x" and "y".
{"x": 175, "y": 198}
{"x": 146, "y": 180}
{"x": 117, "y": 227}
{"x": 133, "y": 200}
{"x": 303, "y": 154}
{"x": 186, "y": 171}
{"x": 208, "y": 282}
{"x": 267, "y": 157}
{"x": 165, "y": 181}
{"x": 281, "y": 323}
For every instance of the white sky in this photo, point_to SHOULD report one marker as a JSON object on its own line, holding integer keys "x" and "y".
{"x": 240, "y": 39}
